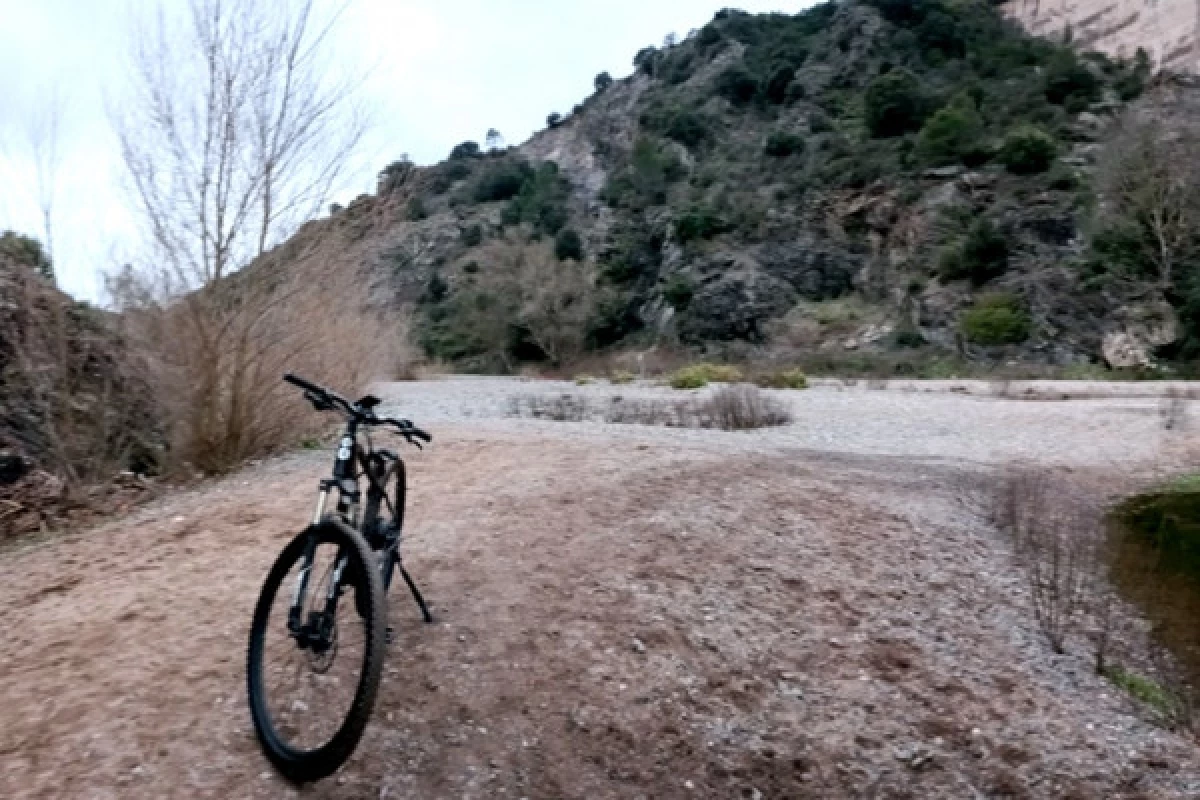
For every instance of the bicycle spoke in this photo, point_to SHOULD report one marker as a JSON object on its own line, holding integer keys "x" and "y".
{"x": 310, "y": 686}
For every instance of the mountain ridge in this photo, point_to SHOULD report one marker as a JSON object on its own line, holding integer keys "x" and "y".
{"x": 905, "y": 183}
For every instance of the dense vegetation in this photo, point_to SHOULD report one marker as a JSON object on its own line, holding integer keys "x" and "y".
{"x": 895, "y": 150}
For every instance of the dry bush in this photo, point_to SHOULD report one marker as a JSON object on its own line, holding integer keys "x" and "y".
{"x": 560, "y": 407}
{"x": 1000, "y": 387}
{"x": 731, "y": 408}
{"x": 742, "y": 407}
{"x": 1173, "y": 410}
{"x": 1017, "y": 497}
{"x": 1059, "y": 562}
{"x": 219, "y": 353}
{"x": 1058, "y": 537}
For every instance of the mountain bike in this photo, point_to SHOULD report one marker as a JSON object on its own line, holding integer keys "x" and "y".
{"x": 319, "y": 634}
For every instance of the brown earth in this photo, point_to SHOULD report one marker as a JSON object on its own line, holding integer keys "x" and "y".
{"x": 634, "y": 617}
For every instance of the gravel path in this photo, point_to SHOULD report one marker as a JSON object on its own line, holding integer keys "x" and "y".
{"x": 624, "y": 612}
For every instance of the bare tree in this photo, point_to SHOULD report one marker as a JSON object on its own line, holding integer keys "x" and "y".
{"x": 549, "y": 300}
{"x": 44, "y": 133}
{"x": 238, "y": 132}
{"x": 556, "y": 300}
{"x": 1149, "y": 183}
{"x": 35, "y": 156}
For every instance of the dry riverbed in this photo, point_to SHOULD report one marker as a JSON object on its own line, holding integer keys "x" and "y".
{"x": 623, "y": 611}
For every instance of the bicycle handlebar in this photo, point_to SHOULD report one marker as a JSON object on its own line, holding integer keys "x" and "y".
{"x": 363, "y": 415}
{"x": 296, "y": 380}
{"x": 408, "y": 429}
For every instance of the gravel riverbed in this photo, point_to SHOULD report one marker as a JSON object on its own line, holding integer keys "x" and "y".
{"x": 817, "y": 610}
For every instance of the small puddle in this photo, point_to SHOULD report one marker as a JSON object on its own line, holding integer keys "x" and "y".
{"x": 1156, "y": 565}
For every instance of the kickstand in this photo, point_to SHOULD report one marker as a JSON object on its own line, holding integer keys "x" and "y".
{"x": 416, "y": 593}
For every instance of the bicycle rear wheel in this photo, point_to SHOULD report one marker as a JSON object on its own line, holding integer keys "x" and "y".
{"x": 317, "y": 645}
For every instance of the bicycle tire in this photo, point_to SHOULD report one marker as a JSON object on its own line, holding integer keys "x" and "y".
{"x": 304, "y": 766}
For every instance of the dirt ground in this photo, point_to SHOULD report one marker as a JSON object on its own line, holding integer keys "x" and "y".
{"x": 635, "y": 616}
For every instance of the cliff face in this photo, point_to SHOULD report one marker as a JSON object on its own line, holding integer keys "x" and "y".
{"x": 1168, "y": 30}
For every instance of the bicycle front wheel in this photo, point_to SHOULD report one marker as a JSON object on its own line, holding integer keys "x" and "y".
{"x": 317, "y": 645}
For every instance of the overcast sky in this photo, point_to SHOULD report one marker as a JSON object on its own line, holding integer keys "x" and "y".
{"x": 442, "y": 71}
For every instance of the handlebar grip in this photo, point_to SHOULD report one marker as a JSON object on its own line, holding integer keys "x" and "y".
{"x": 296, "y": 380}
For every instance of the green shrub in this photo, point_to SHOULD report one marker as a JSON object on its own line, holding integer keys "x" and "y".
{"x": 680, "y": 124}
{"x": 621, "y": 377}
{"x": 1144, "y": 689}
{"x": 984, "y": 252}
{"x": 541, "y": 200}
{"x": 737, "y": 85}
{"x": 709, "y": 35}
{"x": 950, "y": 135}
{"x": 1068, "y": 81}
{"x": 782, "y": 144}
{"x": 893, "y": 104}
{"x": 471, "y": 236}
{"x": 26, "y": 251}
{"x": 652, "y": 168}
{"x": 819, "y": 122}
{"x": 568, "y": 245}
{"x": 950, "y": 263}
{"x": 908, "y": 339}
{"x": 1028, "y": 150}
{"x": 501, "y": 181}
{"x": 697, "y": 376}
{"x": 1132, "y": 79}
{"x": 698, "y": 223}
{"x": 1062, "y": 178}
{"x": 996, "y": 319}
{"x": 677, "y": 67}
{"x": 646, "y": 60}
{"x": 678, "y": 292}
{"x": 783, "y": 379}
{"x": 614, "y": 318}
{"x": 981, "y": 256}
{"x": 446, "y": 174}
{"x": 435, "y": 290}
{"x": 776, "y": 88}
{"x": 466, "y": 150}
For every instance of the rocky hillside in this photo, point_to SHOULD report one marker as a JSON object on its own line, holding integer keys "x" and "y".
{"x": 870, "y": 181}
{"x": 72, "y": 401}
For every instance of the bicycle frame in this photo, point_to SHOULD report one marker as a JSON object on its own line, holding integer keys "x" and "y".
{"x": 345, "y": 480}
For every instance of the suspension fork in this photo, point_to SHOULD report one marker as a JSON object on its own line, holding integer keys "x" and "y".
{"x": 295, "y": 620}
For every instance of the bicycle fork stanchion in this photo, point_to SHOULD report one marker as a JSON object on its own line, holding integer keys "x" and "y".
{"x": 322, "y": 499}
